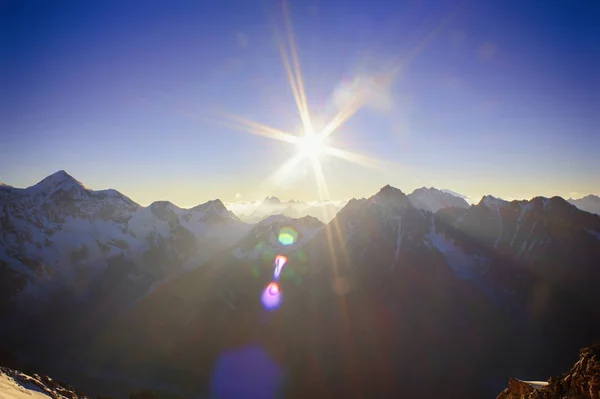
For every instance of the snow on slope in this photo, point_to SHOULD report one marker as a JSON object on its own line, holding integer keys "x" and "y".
{"x": 10, "y": 389}
{"x": 398, "y": 243}
{"x": 57, "y": 229}
{"x": 464, "y": 265}
{"x": 432, "y": 199}
{"x": 17, "y": 385}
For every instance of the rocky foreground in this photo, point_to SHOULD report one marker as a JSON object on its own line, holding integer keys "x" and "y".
{"x": 581, "y": 382}
{"x": 15, "y": 384}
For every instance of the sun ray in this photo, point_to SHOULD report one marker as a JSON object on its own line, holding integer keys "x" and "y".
{"x": 385, "y": 78}
{"x": 320, "y": 178}
{"x": 359, "y": 159}
{"x": 259, "y": 129}
{"x": 302, "y": 110}
{"x": 298, "y": 73}
{"x": 284, "y": 170}
{"x": 310, "y": 150}
{"x": 346, "y": 113}
{"x": 324, "y": 194}
{"x": 360, "y": 100}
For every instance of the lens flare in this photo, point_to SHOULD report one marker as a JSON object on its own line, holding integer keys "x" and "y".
{"x": 272, "y": 296}
{"x": 273, "y": 289}
{"x": 287, "y": 235}
{"x": 280, "y": 262}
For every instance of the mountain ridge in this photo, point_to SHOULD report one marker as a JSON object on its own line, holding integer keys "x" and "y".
{"x": 456, "y": 199}
{"x": 450, "y": 286}
{"x": 475, "y": 284}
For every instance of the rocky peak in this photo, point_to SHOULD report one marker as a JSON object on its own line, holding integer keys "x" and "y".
{"x": 388, "y": 190}
{"x": 272, "y": 201}
{"x": 310, "y": 221}
{"x": 389, "y": 193}
{"x": 275, "y": 218}
{"x": 390, "y": 198}
{"x": 492, "y": 202}
{"x": 561, "y": 203}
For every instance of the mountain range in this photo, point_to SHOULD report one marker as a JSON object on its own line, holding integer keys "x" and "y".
{"x": 254, "y": 212}
{"x": 395, "y": 291}
{"x": 430, "y": 199}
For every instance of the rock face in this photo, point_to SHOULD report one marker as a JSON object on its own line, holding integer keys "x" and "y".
{"x": 581, "y": 382}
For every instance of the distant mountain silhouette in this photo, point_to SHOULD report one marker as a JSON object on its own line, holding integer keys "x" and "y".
{"x": 590, "y": 203}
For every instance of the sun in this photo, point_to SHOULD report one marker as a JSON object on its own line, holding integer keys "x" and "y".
{"x": 311, "y": 145}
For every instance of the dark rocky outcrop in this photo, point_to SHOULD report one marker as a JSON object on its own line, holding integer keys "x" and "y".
{"x": 581, "y": 382}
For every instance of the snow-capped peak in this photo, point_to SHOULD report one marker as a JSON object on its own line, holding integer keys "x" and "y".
{"x": 432, "y": 199}
{"x": 54, "y": 182}
{"x": 454, "y": 193}
{"x": 164, "y": 204}
{"x": 213, "y": 206}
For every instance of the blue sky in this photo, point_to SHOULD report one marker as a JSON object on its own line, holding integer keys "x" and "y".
{"x": 503, "y": 99}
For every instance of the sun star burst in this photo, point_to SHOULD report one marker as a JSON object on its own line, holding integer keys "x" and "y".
{"x": 312, "y": 145}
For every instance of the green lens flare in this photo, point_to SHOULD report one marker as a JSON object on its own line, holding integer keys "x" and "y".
{"x": 288, "y": 235}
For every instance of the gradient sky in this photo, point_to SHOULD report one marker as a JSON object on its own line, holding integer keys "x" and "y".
{"x": 503, "y": 100}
